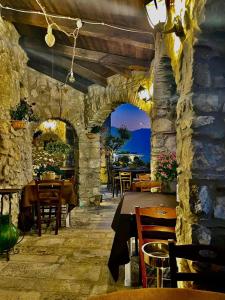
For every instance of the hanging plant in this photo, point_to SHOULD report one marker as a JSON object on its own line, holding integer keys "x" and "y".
{"x": 21, "y": 113}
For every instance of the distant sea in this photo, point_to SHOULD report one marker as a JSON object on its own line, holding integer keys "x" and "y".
{"x": 139, "y": 142}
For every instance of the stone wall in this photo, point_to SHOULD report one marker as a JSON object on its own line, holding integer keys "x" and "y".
{"x": 200, "y": 135}
{"x": 15, "y": 146}
{"x": 199, "y": 73}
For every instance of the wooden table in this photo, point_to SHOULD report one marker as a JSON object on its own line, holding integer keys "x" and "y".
{"x": 125, "y": 227}
{"x": 68, "y": 194}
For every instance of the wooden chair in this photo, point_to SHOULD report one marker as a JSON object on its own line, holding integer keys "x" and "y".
{"x": 209, "y": 263}
{"x": 48, "y": 205}
{"x": 144, "y": 176}
{"x": 125, "y": 182}
{"x": 115, "y": 183}
{"x": 153, "y": 224}
{"x": 146, "y": 186}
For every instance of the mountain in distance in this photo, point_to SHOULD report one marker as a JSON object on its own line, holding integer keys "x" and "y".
{"x": 138, "y": 143}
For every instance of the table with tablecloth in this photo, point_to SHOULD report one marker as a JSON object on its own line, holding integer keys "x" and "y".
{"x": 29, "y": 197}
{"x": 124, "y": 224}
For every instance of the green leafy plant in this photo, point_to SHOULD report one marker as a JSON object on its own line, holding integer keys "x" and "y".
{"x": 138, "y": 162}
{"x": 95, "y": 129}
{"x": 23, "y": 111}
{"x": 48, "y": 168}
{"x": 166, "y": 169}
{"x": 58, "y": 147}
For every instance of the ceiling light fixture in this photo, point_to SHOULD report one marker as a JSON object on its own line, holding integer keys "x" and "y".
{"x": 75, "y": 35}
{"x": 71, "y": 77}
{"x": 160, "y": 16}
{"x": 49, "y": 37}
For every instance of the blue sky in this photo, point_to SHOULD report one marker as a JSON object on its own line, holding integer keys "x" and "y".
{"x": 130, "y": 116}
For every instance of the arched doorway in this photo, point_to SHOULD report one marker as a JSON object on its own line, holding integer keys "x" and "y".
{"x": 134, "y": 152}
{"x": 55, "y": 148}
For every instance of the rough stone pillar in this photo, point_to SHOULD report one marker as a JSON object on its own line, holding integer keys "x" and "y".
{"x": 163, "y": 115}
{"x": 201, "y": 135}
{"x": 89, "y": 179}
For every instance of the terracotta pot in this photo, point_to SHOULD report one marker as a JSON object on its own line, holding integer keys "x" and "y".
{"x": 48, "y": 175}
{"x": 18, "y": 124}
{"x": 91, "y": 135}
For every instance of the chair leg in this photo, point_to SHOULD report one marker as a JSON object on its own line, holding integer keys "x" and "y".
{"x": 113, "y": 187}
{"x": 143, "y": 270}
{"x": 39, "y": 219}
{"x": 58, "y": 212}
{"x": 60, "y": 216}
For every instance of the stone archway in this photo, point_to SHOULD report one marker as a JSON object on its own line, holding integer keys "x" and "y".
{"x": 99, "y": 103}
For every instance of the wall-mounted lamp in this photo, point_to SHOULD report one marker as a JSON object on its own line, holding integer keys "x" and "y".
{"x": 144, "y": 93}
{"x": 159, "y": 16}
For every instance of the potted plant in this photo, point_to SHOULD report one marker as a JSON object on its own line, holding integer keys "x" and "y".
{"x": 95, "y": 129}
{"x": 21, "y": 113}
{"x": 166, "y": 171}
{"x": 48, "y": 171}
{"x": 58, "y": 147}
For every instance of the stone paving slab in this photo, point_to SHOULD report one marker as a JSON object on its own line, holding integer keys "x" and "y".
{"x": 71, "y": 265}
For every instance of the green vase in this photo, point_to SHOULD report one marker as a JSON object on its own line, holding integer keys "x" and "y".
{"x": 9, "y": 234}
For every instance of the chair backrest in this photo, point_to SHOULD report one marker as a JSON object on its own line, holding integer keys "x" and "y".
{"x": 154, "y": 224}
{"x": 144, "y": 176}
{"x": 49, "y": 191}
{"x": 125, "y": 175}
{"x": 209, "y": 262}
{"x": 125, "y": 181}
{"x": 146, "y": 186}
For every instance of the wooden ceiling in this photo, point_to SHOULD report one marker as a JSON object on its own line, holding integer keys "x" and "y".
{"x": 101, "y": 51}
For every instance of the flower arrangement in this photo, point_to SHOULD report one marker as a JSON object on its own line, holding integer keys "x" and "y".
{"x": 166, "y": 169}
{"x": 23, "y": 111}
{"x": 45, "y": 162}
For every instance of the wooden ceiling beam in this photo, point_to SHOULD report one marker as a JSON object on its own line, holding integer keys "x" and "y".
{"x": 119, "y": 70}
{"x": 65, "y": 63}
{"x": 88, "y": 55}
{"x": 59, "y": 74}
{"x": 140, "y": 40}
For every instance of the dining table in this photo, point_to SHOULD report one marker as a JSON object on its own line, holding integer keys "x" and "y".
{"x": 29, "y": 197}
{"x": 125, "y": 227}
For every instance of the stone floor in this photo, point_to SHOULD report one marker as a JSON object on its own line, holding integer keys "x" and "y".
{"x": 71, "y": 265}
